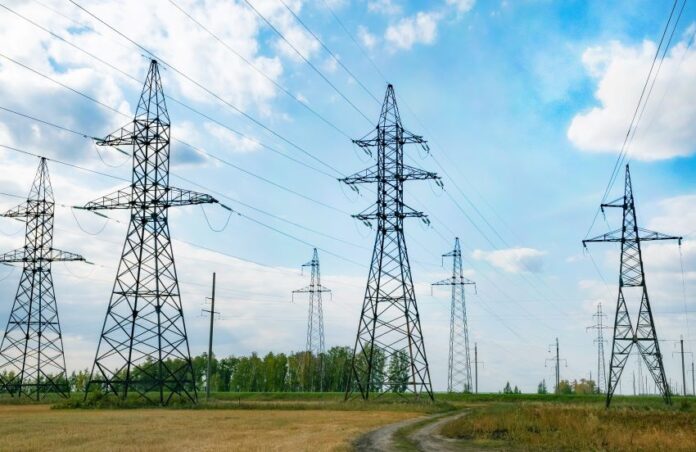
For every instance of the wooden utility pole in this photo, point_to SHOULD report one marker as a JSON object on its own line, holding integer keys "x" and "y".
{"x": 210, "y": 340}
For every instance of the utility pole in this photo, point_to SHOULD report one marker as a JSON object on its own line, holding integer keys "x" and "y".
{"x": 476, "y": 364}
{"x": 32, "y": 361}
{"x": 683, "y": 366}
{"x": 693, "y": 379}
{"x": 212, "y": 313}
{"x": 315, "y": 325}
{"x": 601, "y": 365}
{"x": 389, "y": 353}
{"x": 557, "y": 363}
{"x": 143, "y": 346}
{"x": 632, "y": 275}
{"x": 459, "y": 369}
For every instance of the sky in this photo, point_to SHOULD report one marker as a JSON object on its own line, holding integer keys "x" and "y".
{"x": 525, "y": 105}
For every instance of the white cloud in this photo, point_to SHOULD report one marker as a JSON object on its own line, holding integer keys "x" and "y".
{"x": 232, "y": 142}
{"x": 418, "y": 29}
{"x": 513, "y": 260}
{"x": 462, "y": 6}
{"x": 366, "y": 38}
{"x": 666, "y": 129}
{"x": 388, "y": 7}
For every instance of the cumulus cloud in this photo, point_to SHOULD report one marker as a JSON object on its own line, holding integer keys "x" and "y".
{"x": 366, "y": 38}
{"x": 666, "y": 128}
{"x": 418, "y": 29}
{"x": 462, "y": 6}
{"x": 232, "y": 142}
{"x": 513, "y": 260}
{"x": 389, "y": 7}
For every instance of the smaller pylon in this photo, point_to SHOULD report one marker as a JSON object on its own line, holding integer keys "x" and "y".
{"x": 313, "y": 372}
{"x": 459, "y": 370}
{"x": 601, "y": 363}
{"x": 32, "y": 361}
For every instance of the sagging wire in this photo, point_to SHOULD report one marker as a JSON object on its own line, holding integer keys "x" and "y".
{"x": 227, "y": 221}
{"x": 106, "y": 221}
{"x": 99, "y": 153}
{"x": 82, "y": 277}
{"x": 12, "y": 269}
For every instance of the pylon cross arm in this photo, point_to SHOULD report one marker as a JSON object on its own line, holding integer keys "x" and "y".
{"x": 366, "y": 176}
{"x": 27, "y": 209}
{"x": 120, "y": 199}
{"x": 123, "y": 199}
{"x": 21, "y": 255}
{"x": 411, "y": 173}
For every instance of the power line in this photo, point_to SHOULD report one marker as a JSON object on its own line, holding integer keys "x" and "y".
{"x": 617, "y": 165}
{"x": 321, "y": 74}
{"x": 175, "y": 100}
{"x": 206, "y": 89}
{"x": 259, "y": 71}
{"x": 336, "y": 59}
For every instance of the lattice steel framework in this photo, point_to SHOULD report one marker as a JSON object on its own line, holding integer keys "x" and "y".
{"x": 315, "y": 327}
{"x": 459, "y": 370}
{"x": 601, "y": 362}
{"x": 32, "y": 362}
{"x": 143, "y": 345}
{"x": 389, "y": 332}
{"x": 632, "y": 275}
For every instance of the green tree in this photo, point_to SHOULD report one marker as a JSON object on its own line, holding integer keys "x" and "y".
{"x": 397, "y": 371}
{"x": 541, "y": 389}
{"x": 507, "y": 389}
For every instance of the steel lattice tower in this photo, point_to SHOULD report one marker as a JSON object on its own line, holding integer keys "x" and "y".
{"x": 389, "y": 332}
{"x": 459, "y": 371}
{"x": 315, "y": 324}
{"x": 32, "y": 362}
{"x": 632, "y": 275}
{"x": 601, "y": 363}
{"x": 143, "y": 345}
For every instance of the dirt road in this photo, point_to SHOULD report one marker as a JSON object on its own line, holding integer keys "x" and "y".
{"x": 423, "y": 437}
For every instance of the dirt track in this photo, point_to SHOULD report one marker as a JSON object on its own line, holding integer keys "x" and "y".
{"x": 424, "y": 438}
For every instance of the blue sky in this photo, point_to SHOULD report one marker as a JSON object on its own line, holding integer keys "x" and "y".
{"x": 525, "y": 104}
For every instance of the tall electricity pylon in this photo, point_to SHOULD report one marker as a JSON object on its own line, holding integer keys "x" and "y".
{"x": 557, "y": 365}
{"x": 601, "y": 363}
{"x": 632, "y": 275}
{"x": 389, "y": 353}
{"x": 315, "y": 327}
{"x": 459, "y": 371}
{"x": 32, "y": 361}
{"x": 143, "y": 345}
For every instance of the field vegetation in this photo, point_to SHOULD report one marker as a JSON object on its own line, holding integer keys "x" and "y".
{"x": 575, "y": 423}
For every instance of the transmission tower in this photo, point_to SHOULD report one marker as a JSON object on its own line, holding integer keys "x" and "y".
{"x": 601, "y": 364}
{"x": 632, "y": 275}
{"x": 143, "y": 345}
{"x": 557, "y": 365}
{"x": 315, "y": 326}
{"x": 32, "y": 361}
{"x": 389, "y": 353}
{"x": 459, "y": 374}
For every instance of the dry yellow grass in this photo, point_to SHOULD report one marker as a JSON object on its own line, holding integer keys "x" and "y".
{"x": 37, "y": 427}
{"x": 536, "y": 426}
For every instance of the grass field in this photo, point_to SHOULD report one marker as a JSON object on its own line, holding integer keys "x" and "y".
{"x": 38, "y": 427}
{"x": 576, "y": 423}
{"x": 313, "y": 421}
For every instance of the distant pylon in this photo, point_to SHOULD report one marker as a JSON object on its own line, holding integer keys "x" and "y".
{"x": 459, "y": 370}
{"x": 314, "y": 374}
{"x": 631, "y": 275}
{"x": 32, "y": 361}
{"x": 389, "y": 353}
{"x": 601, "y": 363}
{"x": 143, "y": 346}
